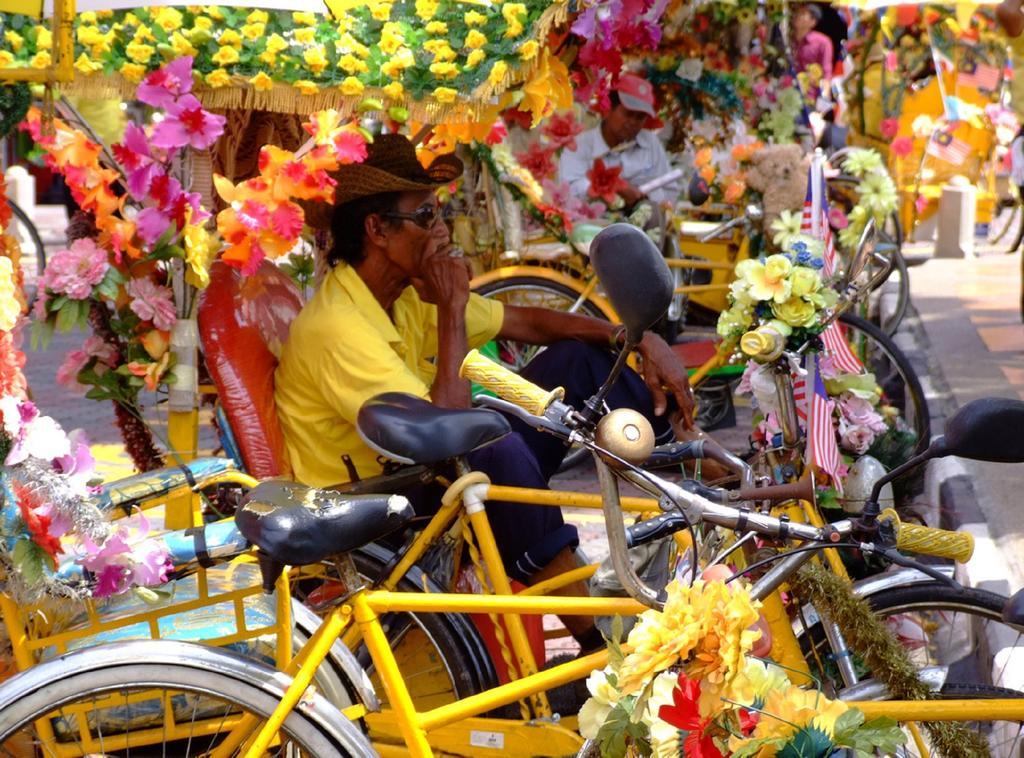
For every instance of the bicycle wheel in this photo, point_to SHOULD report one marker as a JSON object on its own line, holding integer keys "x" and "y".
{"x": 900, "y": 385}
{"x": 33, "y": 261}
{"x": 901, "y": 295}
{"x": 157, "y": 697}
{"x": 441, "y": 655}
{"x": 961, "y": 629}
{"x": 534, "y": 291}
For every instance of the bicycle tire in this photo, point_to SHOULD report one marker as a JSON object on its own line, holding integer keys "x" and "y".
{"x": 900, "y": 384}
{"x": 891, "y": 324}
{"x": 181, "y": 669}
{"x": 31, "y": 277}
{"x": 513, "y": 354}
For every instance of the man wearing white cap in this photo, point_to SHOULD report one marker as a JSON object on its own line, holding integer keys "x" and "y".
{"x": 621, "y": 140}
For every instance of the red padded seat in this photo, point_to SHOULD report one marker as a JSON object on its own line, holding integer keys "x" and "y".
{"x": 243, "y": 325}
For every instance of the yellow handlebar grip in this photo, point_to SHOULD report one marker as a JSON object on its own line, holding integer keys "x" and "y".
{"x": 925, "y": 540}
{"x": 506, "y": 385}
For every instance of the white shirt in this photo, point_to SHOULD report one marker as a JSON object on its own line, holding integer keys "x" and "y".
{"x": 641, "y": 161}
{"x": 1017, "y": 161}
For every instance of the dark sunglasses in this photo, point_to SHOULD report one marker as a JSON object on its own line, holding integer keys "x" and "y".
{"x": 424, "y": 217}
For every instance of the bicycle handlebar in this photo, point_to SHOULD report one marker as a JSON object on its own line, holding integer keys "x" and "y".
{"x": 507, "y": 385}
{"x": 926, "y": 540}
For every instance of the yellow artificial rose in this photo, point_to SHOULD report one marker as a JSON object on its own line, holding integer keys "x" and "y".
{"x": 133, "y": 72}
{"x": 276, "y": 43}
{"x": 130, "y": 19}
{"x": 268, "y": 58}
{"x": 306, "y": 87}
{"x": 230, "y": 37}
{"x": 472, "y": 18}
{"x": 182, "y": 46}
{"x": 15, "y": 40}
{"x": 475, "y": 58}
{"x": 349, "y": 43}
{"x": 397, "y": 63}
{"x": 305, "y": 19}
{"x": 104, "y": 14}
{"x": 796, "y": 312}
{"x": 394, "y": 90}
{"x": 529, "y": 49}
{"x": 352, "y": 65}
{"x": 144, "y": 34}
{"x": 305, "y": 36}
{"x": 214, "y": 12}
{"x": 445, "y": 94}
{"x": 735, "y": 319}
{"x": 381, "y": 11}
{"x": 202, "y": 22}
{"x": 261, "y": 82}
{"x": 168, "y": 19}
{"x": 351, "y": 86}
{"x": 475, "y": 40}
{"x": 138, "y": 52}
{"x": 391, "y": 38}
{"x": 804, "y": 281}
{"x": 86, "y": 65}
{"x": 253, "y": 32}
{"x": 257, "y": 17}
{"x": 444, "y": 70}
{"x": 44, "y": 39}
{"x": 437, "y": 27}
{"x": 225, "y": 56}
{"x": 87, "y": 17}
{"x": 497, "y": 75}
{"x": 218, "y": 78}
{"x": 777, "y": 267}
{"x": 513, "y": 14}
{"x": 426, "y": 9}
{"x": 41, "y": 59}
{"x": 315, "y": 58}
{"x": 10, "y": 309}
{"x": 441, "y": 49}
{"x": 7, "y": 58}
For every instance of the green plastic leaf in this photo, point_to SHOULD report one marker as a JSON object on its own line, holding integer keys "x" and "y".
{"x": 752, "y": 747}
{"x": 31, "y": 561}
{"x": 809, "y": 742}
{"x": 881, "y": 734}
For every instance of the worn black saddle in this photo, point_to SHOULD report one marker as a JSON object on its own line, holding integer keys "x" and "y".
{"x": 408, "y": 429}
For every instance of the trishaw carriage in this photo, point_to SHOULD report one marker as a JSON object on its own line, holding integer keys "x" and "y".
{"x": 141, "y": 618}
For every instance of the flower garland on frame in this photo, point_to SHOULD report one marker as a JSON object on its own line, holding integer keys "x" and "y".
{"x": 684, "y": 683}
{"x": 442, "y": 54}
{"x": 137, "y": 260}
{"x": 53, "y": 541}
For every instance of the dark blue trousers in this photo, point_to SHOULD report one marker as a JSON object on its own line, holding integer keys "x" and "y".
{"x": 529, "y": 536}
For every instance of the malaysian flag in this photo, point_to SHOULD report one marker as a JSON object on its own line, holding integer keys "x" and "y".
{"x": 816, "y": 208}
{"x": 944, "y": 146}
{"x": 822, "y": 446}
{"x": 979, "y": 75}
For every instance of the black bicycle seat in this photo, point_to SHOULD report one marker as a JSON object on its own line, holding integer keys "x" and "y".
{"x": 408, "y": 429}
{"x": 298, "y": 525}
{"x": 1013, "y": 611}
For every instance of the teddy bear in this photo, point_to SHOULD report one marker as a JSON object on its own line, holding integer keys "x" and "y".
{"x": 779, "y": 173}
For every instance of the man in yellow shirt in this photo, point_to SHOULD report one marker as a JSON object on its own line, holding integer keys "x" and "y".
{"x": 395, "y": 314}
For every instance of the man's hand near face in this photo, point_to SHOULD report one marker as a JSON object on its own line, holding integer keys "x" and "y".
{"x": 444, "y": 281}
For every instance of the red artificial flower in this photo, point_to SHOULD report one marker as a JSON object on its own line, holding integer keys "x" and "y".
{"x": 38, "y": 524}
{"x": 562, "y": 129}
{"x": 748, "y": 721}
{"x": 539, "y": 160}
{"x": 497, "y": 134}
{"x": 605, "y": 183}
{"x": 889, "y": 127}
{"x": 902, "y": 147}
{"x": 519, "y": 118}
{"x": 684, "y": 714}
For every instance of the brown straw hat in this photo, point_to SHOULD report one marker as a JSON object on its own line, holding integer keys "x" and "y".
{"x": 391, "y": 165}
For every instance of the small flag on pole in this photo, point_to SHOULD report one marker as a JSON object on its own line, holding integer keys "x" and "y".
{"x": 822, "y": 447}
{"x": 979, "y": 75}
{"x": 944, "y": 146}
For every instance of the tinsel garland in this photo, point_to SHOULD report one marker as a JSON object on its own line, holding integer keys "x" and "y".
{"x": 136, "y": 435}
{"x": 883, "y": 654}
{"x": 716, "y": 87}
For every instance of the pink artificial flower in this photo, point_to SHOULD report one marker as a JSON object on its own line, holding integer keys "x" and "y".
{"x": 902, "y": 146}
{"x": 74, "y": 272}
{"x": 857, "y": 439}
{"x": 891, "y": 61}
{"x": 921, "y": 203}
{"x": 67, "y": 374}
{"x": 134, "y": 154}
{"x": 889, "y": 127}
{"x": 561, "y": 129}
{"x": 163, "y": 87}
{"x": 150, "y": 565}
{"x": 151, "y": 302}
{"x": 859, "y": 412}
{"x": 349, "y": 146}
{"x": 538, "y": 160}
{"x": 837, "y": 219}
{"x": 187, "y": 123}
{"x": 78, "y": 467}
{"x": 171, "y": 205}
{"x": 32, "y": 435}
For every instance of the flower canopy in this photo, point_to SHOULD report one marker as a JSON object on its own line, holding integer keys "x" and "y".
{"x": 441, "y": 60}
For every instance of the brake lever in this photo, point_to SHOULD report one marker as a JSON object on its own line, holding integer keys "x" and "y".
{"x": 894, "y": 556}
{"x": 542, "y": 423}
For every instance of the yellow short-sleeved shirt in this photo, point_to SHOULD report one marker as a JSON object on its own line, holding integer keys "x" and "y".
{"x": 342, "y": 350}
